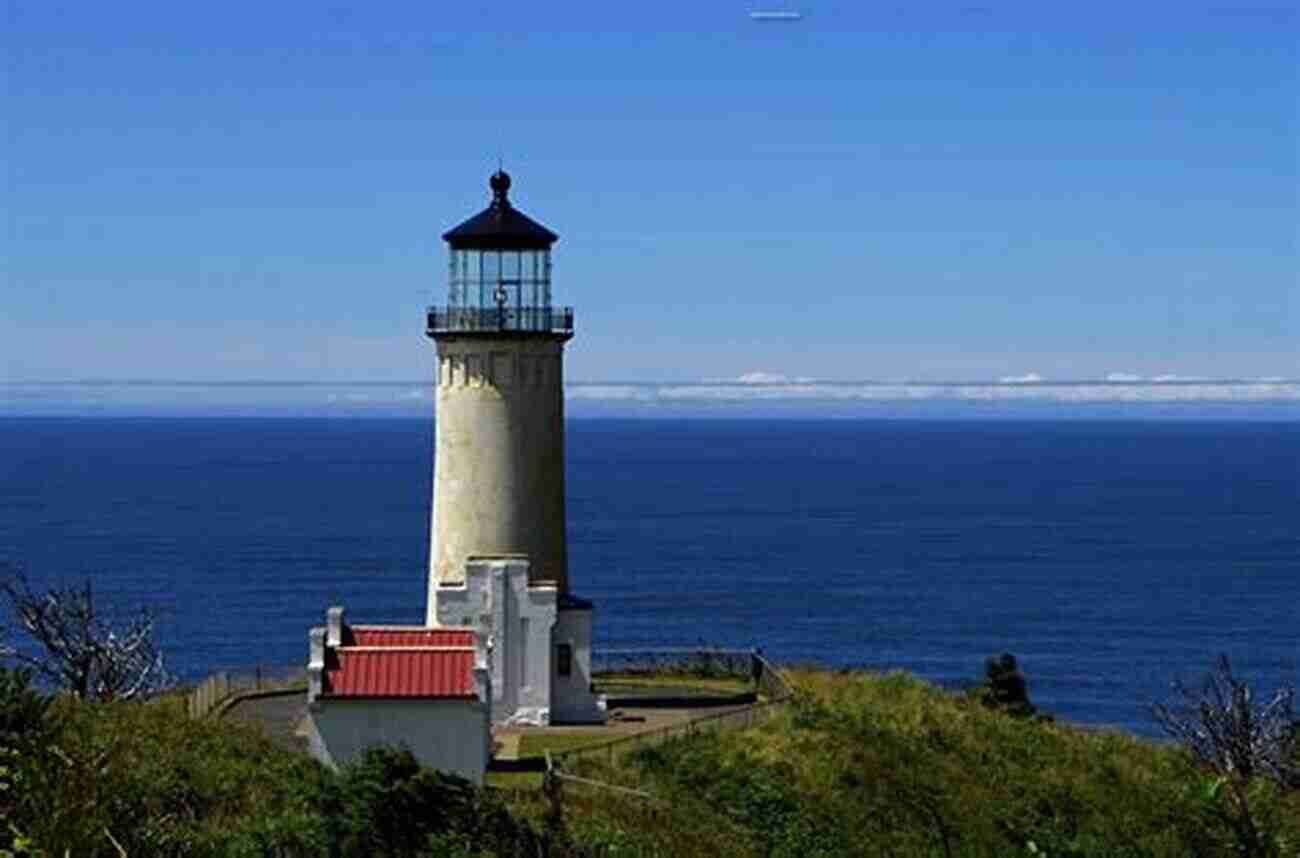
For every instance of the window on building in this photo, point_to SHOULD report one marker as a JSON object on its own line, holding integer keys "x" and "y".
{"x": 564, "y": 659}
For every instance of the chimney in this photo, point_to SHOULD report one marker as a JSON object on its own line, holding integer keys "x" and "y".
{"x": 334, "y": 626}
{"x": 316, "y": 664}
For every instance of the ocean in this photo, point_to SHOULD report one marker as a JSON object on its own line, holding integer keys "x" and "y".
{"x": 1110, "y": 556}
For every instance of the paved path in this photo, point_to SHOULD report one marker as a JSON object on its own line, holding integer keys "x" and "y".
{"x": 279, "y": 717}
{"x": 624, "y": 721}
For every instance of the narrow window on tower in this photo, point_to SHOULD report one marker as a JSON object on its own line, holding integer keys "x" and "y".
{"x": 564, "y": 659}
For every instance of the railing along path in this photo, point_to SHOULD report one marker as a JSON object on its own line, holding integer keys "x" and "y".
{"x": 770, "y": 682}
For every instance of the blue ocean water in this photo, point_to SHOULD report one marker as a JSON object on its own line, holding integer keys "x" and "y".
{"x": 1109, "y": 556}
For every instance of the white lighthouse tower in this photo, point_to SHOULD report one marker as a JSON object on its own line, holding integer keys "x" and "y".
{"x": 498, "y": 556}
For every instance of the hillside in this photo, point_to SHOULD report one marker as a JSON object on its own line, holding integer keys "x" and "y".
{"x": 859, "y": 764}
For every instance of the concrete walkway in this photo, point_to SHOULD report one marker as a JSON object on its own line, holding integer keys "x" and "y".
{"x": 279, "y": 715}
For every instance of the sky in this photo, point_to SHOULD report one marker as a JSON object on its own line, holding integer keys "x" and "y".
{"x": 999, "y": 193}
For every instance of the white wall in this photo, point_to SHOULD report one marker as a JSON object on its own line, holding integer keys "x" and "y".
{"x": 498, "y": 477}
{"x": 495, "y": 597}
{"x": 449, "y": 735}
{"x": 571, "y": 697}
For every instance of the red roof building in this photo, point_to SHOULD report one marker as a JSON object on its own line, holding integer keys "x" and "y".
{"x": 427, "y": 689}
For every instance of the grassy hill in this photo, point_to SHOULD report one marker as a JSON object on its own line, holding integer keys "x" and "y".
{"x": 859, "y": 764}
{"x": 888, "y": 765}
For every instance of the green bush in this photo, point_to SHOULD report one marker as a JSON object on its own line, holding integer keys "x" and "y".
{"x": 388, "y": 805}
{"x": 24, "y": 726}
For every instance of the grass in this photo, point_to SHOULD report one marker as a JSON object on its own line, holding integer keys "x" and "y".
{"x": 148, "y": 777}
{"x": 856, "y": 765}
{"x": 882, "y": 765}
{"x": 620, "y": 683}
{"x": 537, "y": 744}
{"x": 514, "y": 780}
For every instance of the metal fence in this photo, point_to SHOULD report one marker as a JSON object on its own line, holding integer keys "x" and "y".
{"x": 770, "y": 681}
{"x": 556, "y": 320}
{"x": 697, "y": 662}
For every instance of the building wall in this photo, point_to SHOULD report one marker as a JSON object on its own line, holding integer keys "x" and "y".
{"x": 571, "y": 698}
{"x": 498, "y": 485}
{"x": 517, "y": 618}
{"x": 449, "y": 735}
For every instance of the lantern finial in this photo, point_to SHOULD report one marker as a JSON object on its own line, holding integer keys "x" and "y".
{"x": 500, "y": 185}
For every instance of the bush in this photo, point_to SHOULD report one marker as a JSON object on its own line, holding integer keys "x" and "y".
{"x": 388, "y": 805}
{"x": 1005, "y": 687}
{"x": 23, "y": 709}
{"x": 23, "y": 727}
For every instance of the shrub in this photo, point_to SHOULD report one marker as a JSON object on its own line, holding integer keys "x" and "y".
{"x": 24, "y": 724}
{"x": 1005, "y": 687}
{"x": 23, "y": 709}
{"x": 389, "y": 805}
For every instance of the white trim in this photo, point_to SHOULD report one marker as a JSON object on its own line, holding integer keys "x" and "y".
{"x": 373, "y": 626}
{"x": 412, "y": 648}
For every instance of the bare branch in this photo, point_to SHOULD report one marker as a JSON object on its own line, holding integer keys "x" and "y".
{"x": 1223, "y": 726}
{"x": 79, "y": 650}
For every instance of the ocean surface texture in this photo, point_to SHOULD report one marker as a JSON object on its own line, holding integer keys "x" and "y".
{"x": 1110, "y": 556}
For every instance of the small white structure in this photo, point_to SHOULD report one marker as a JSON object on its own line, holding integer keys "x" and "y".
{"x": 428, "y": 690}
{"x": 540, "y": 652}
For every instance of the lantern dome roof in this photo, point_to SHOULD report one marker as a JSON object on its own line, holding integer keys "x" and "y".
{"x": 500, "y": 226}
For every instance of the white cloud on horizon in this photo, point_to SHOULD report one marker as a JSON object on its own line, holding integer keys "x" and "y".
{"x": 1002, "y": 391}
{"x": 759, "y": 377}
{"x": 404, "y": 398}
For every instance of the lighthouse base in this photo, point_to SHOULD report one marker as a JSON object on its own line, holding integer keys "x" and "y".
{"x": 539, "y": 641}
{"x": 572, "y": 699}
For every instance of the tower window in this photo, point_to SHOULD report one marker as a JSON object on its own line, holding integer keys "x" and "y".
{"x": 564, "y": 659}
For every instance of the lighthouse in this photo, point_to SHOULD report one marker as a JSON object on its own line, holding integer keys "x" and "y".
{"x": 498, "y": 558}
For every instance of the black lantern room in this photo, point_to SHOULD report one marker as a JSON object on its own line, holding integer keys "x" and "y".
{"x": 500, "y": 274}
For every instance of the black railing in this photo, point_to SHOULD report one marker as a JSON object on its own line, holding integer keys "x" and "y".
{"x": 539, "y": 320}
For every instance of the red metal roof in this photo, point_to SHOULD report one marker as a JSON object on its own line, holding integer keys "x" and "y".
{"x": 378, "y": 661}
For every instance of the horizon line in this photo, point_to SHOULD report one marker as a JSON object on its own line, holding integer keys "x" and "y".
{"x": 1172, "y": 381}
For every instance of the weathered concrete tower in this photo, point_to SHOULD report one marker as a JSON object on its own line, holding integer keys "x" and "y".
{"x": 498, "y": 480}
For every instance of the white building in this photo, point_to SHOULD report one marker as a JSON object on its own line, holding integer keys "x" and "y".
{"x": 426, "y": 689}
{"x": 498, "y": 559}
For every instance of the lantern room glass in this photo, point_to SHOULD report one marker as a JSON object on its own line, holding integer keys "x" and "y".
{"x": 515, "y": 280}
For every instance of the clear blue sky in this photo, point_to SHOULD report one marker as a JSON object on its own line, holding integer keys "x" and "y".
{"x": 255, "y": 191}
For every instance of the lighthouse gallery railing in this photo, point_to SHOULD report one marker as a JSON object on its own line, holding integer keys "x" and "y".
{"x": 539, "y": 320}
